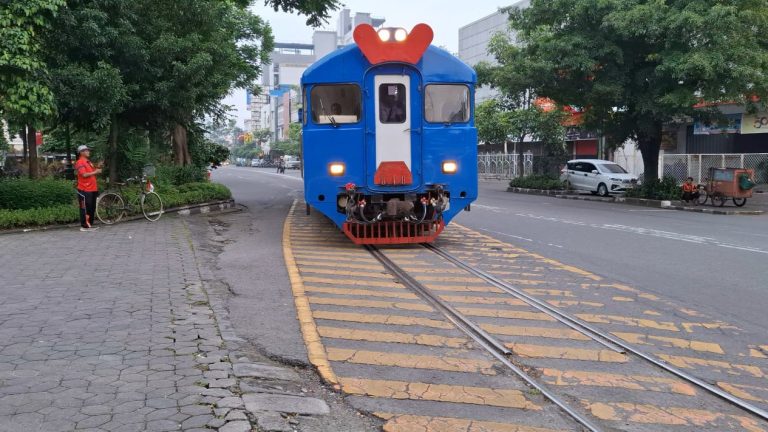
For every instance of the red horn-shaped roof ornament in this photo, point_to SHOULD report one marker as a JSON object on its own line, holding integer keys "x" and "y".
{"x": 393, "y": 45}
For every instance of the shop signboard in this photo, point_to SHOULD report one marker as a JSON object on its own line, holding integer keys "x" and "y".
{"x": 732, "y": 124}
{"x": 754, "y": 123}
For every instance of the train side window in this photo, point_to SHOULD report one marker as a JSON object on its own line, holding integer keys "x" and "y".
{"x": 335, "y": 103}
{"x": 392, "y": 103}
{"x": 446, "y": 103}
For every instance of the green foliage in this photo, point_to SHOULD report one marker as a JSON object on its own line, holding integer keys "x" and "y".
{"x": 537, "y": 181}
{"x": 655, "y": 189}
{"x": 317, "y": 11}
{"x": 24, "y": 91}
{"x": 178, "y": 175}
{"x": 22, "y": 194}
{"x": 288, "y": 147}
{"x": 206, "y": 152}
{"x": 60, "y": 214}
{"x": 636, "y": 64}
{"x": 191, "y": 193}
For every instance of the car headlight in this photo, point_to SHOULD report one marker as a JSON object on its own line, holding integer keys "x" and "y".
{"x": 450, "y": 167}
{"x": 336, "y": 169}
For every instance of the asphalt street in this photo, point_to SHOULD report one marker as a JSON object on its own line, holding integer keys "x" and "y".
{"x": 712, "y": 263}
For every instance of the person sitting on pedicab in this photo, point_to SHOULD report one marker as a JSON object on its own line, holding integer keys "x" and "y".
{"x": 690, "y": 190}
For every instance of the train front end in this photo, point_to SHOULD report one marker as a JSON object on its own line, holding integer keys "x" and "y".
{"x": 389, "y": 143}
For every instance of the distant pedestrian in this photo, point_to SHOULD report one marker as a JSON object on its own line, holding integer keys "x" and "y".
{"x": 87, "y": 188}
{"x": 281, "y": 165}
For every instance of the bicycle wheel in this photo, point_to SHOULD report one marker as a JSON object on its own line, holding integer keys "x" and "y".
{"x": 110, "y": 208}
{"x": 739, "y": 202}
{"x": 151, "y": 206}
{"x": 718, "y": 199}
{"x": 702, "y": 199}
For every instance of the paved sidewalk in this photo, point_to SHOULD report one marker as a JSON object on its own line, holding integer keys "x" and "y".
{"x": 115, "y": 331}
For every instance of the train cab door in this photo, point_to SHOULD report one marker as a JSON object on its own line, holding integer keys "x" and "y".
{"x": 393, "y": 129}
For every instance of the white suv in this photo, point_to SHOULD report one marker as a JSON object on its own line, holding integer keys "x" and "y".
{"x": 598, "y": 176}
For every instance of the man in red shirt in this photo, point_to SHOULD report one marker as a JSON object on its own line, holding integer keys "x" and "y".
{"x": 87, "y": 189}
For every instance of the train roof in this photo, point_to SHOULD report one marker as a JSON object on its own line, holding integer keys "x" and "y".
{"x": 348, "y": 65}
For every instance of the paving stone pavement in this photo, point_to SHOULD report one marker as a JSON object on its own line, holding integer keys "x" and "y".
{"x": 115, "y": 330}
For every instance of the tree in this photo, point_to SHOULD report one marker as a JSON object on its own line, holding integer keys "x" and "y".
{"x": 634, "y": 65}
{"x": 25, "y": 96}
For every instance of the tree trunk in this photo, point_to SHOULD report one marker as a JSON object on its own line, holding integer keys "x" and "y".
{"x": 32, "y": 145}
{"x": 23, "y": 135}
{"x": 114, "y": 129}
{"x": 649, "y": 143}
{"x": 180, "y": 145}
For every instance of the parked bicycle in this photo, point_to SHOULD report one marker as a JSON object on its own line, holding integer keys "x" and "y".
{"x": 111, "y": 205}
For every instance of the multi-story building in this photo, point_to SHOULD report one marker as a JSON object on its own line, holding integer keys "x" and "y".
{"x": 278, "y": 106}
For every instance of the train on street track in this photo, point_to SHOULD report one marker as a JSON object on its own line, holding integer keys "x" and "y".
{"x": 388, "y": 137}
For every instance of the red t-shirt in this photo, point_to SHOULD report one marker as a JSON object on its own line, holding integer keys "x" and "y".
{"x": 85, "y": 184}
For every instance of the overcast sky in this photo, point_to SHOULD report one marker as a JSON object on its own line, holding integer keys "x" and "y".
{"x": 444, "y": 16}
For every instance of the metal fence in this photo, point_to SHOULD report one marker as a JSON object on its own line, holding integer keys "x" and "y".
{"x": 506, "y": 166}
{"x": 682, "y": 166}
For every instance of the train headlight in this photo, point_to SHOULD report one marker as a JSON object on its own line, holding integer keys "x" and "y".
{"x": 450, "y": 167}
{"x": 336, "y": 169}
{"x": 401, "y": 35}
{"x": 385, "y": 34}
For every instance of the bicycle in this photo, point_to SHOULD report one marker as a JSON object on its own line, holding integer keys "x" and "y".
{"x": 111, "y": 206}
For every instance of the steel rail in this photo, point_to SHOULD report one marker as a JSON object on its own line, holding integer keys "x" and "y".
{"x": 572, "y": 322}
{"x": 740, "y": 403}
{"x": 488, "y": 342}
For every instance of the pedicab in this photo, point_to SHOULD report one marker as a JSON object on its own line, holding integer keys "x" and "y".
{"x": 727, "y": 183}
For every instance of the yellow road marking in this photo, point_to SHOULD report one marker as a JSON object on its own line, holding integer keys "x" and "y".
{"x": 512, "y": 314}
{"x": 548, "y": 292}
{"x": 642, "y": 339}
{"x": 629, "y": 321}
{"x": 315, "y": 349}
{"x": 629, "y": 382}
{"x": 464, "y": 288}
{"x": 650, "y": 312}
{"x": 392, "y": 337}
{"x": 404, "y": 295}
{"x": 483, "y": 300}
{"x": 370, "y": 303}
{"x": 415, "y": 423}
{"x": 554, "y": 333}
{"x": 355, "y": 282}
{"x": 623, "y": 299}
{"x": 566, "y": 353}
{"x": 739, "y": 391}
{"x": 338, "y": 260}
{"x": 336, "y": 272}
{"x": 450, "y": 364}
{"x": 689, "y": 326}
{"x": 381, "y": 319}
{"x": 671, "y": 416}
{"x": 730, "y": 368}
{"x": 566, "y": 303}
{"x": 507, "y": 398}
{"x": 314, "y": 263}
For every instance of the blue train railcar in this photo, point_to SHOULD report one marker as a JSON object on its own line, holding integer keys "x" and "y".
{"x": 389, "y": 142}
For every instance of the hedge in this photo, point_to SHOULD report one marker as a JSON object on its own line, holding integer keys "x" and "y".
{"x": 537, "y": 181}
{"x": 172, "y": 196}
{"x": 655, "y": 189}
{"x": 24, "y": 194}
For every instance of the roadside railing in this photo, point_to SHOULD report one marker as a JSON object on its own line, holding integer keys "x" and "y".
{"x": 682, "y": 166}
{"x": 506, "y": 166}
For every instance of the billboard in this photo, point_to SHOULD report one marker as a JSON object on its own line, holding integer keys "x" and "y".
{"x": 754, "y": 123}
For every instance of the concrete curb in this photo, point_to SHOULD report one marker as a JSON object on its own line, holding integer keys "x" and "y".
{"x": 634, "y": 201}
{"x": 188, "y": 210}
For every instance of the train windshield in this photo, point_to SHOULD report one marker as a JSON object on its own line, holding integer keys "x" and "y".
{"x": 335, "y": 104}
{"x": 446, "y": 103}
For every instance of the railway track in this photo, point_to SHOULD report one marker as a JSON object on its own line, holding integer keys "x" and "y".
{"x": 505, "y": 356}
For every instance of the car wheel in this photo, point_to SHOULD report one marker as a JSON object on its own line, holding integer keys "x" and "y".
{"x": 602, "y": 190}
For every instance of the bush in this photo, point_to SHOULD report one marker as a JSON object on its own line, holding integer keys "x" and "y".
{"x": 179, "y": 175}
{"x": 655, "y": 189}
{"x": 191, "y": 193}
{"x": 23, "y": 194}
{"x": 537, "y": 181}
{"x": 40, "y": 216}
